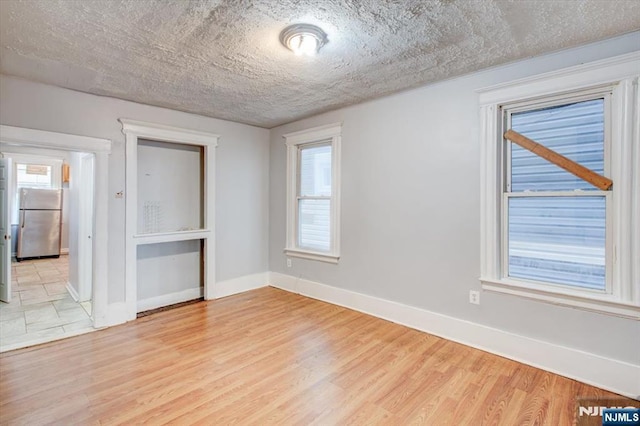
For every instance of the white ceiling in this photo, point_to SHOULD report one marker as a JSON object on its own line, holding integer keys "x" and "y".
{"x": 223, "y": 59}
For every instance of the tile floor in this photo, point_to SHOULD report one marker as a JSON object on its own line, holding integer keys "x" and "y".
{"x": 41, "y": 308}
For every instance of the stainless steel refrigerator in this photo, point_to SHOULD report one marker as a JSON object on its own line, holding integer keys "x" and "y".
{"x": 39, "y": 230}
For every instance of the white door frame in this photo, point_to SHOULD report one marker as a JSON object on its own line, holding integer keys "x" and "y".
{"x": 101, "y": 148}
{"x": 85, "y": 227}
{"x": 5, "y": 237}
{"x": 134, "y": 130}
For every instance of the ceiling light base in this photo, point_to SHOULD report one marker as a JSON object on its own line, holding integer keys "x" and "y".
{"x": 303, "y": 39}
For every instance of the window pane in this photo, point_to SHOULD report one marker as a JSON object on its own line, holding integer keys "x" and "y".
{"x": 573, "y": 130}
{"x": 315, "y": 171}
{"x": 314, "y": 225}
{"x": 33, "y": 176}
{"x": 558, "y": 240}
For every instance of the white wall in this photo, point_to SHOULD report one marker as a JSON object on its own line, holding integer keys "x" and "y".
{"x": 169, "y": 269}
{"x": 410, "y": 209}
{"x": 242, "y": 169}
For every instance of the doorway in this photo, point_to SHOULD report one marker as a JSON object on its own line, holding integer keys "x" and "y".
{"x": 11, "y": 136}
{"x": 50, "y": 292}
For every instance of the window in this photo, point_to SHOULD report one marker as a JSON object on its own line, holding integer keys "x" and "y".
{"x": 34, "y": 176}
{"x": 314, "y": 198}
{"x": 546, "y": 233}
{"x": 555, "y": 230}
{"x": 33, "y": 172}
{"x": 313, "y": 164}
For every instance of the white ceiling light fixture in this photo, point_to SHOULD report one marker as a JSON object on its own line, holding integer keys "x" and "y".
{"x": 303, "y": 39}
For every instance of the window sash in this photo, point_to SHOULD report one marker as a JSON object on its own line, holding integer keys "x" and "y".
{"x": 299, "y": 225}
{"x": 300, "y": 197}
{"x": 578, "y": 194}
{"x": 588, "y": 95}
{"x": 299, "y": 164}
{"x": 299, "y": 177}
{"x": 507, "y": 194}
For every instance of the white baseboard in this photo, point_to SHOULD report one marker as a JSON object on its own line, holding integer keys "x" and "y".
{"x": 169, "y": 299}
{"x": 117, "y": 312}
{"x": 72, "y": 291}
{"x": 613, "y": 375}
{"x": 240, "y": 284}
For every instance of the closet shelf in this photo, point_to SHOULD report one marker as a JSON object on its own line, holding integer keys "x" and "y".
{"x": 167, "y": 237}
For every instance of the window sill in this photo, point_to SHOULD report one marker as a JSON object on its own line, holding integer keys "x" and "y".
{"x": 594, "y": 302}
{"x": 168, "y": 237}
{"x": 312, "y": 255}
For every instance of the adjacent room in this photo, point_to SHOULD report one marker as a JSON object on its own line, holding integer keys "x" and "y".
{"x": 50, "y": 225}
{"x": 319, "y": 212}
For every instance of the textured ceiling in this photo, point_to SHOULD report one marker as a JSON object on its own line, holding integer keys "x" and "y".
{"x": 223, "y": 59}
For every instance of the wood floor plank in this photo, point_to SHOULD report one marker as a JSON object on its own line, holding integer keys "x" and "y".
{"x": 271, "y": 357}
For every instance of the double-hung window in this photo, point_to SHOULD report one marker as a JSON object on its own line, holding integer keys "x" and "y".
{"x": 548, "y": 234}
{"x": 555, "y": 223}
{"x": 313, "y": 158}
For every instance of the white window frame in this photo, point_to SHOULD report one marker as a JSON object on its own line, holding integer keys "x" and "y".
{"x": 619, "y": 76}
{"x": 323, "y": 135}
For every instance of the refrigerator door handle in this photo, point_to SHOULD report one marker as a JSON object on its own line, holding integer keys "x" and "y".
{"x": 23, "y": 218}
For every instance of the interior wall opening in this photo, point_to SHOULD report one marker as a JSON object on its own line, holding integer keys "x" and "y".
{"x": 50, "y": 208}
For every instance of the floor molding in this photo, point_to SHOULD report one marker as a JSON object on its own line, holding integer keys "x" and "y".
{"x": 117, "y": 312}
{"x": 72, "y": 291}
{"x": 169, "y": 307}
{"x": 610, "y": 374}
{"x": 240, "y": 284}
{"x": 169, "y": 299}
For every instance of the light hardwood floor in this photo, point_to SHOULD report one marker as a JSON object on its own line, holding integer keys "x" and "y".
{"x": 272, "y": 357}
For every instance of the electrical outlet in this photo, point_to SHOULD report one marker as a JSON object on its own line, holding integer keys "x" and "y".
{"x": 288, "y": 263}
{"x": 474, "y": 297}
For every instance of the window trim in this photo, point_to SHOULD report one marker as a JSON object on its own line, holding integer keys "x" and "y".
{"x": 331, "y": 135}
{"x": 620, "y": 76}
